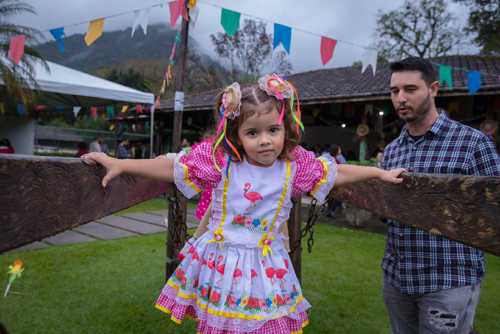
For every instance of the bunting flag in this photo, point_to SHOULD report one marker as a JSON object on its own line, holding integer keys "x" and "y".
{"x": 59, "y": 108}
{"x": 146, "y": 108}
{"x": 124, "y": 108}
{"x": 192, "y": 5}
{"x": 94, "y": 31}
{"x": 177, "y": 8}
{"x": 20, "y": 109}
{"x": 139, "y": 127}
{"x": 110, "y": 111}
{"x": 141, "y": 18}
{"x": 93, "y": 112}
{"x": 283, "y": 35}
{"x": 162, "y": 89}
{"x": 76, "y": 110}
{"x": 2, "y": 109}
{"x": 40, "y": 107}
{"x": 327, "y": 48}
{"x": 230, "y": 21}
{"x": 111, "y": 127}
{"x": 58, "y": 33}
{"x": 16, "y": 48}
{"x": 445, "y": 75}
{"x": 369, "y": 58}
{"x": 138, "y": 108}
{"x": 474, "y": 81}
{"x": 103, "y": 116}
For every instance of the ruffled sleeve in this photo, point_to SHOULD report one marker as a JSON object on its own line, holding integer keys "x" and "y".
{"x": 315, "y": 175}
{"x": 195, "y": 170}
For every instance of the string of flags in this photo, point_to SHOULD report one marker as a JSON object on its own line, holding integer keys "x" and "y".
{"x": 230, "y": 21}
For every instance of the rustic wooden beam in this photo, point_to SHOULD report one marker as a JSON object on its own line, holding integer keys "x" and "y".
{"x": 294, "y": 236}
{"x": 461, "y": 208}
{"x": 42, "y": 196}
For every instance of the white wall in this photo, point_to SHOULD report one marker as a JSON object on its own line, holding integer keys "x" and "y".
{"x": 21, "y": 134}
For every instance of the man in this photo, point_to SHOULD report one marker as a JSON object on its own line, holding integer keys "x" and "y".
{"x": 122, "y": 151}
{"x": 95, "y": 145}
{"x": 431, "y": 284}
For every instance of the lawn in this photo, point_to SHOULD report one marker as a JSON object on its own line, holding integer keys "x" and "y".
{"x": 111, "y": 287}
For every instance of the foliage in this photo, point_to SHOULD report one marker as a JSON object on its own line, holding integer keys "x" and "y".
{"x": 247, "y": 50}
{"x": 111, "y": 286}
{"x": 419, "y": 28}
{"x": 281, "y": 63}
{"x": 59, "y": 122}
{"x": 130, "y": 78}
{"x": 484, "y": 20}
{"x": 17, "y": 78}
{"x": 83, "y": 122}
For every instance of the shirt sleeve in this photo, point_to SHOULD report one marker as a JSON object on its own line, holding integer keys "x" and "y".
{"x": 196, "y": 170}
{"x": 315, "y": 175}
{"x": 485, "y": 159}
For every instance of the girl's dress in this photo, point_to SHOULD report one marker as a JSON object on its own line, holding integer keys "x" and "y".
{"x": 238, "y": 277}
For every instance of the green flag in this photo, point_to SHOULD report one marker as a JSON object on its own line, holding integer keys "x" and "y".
{"x": 230, "y": 21}
{"x": 445, "y": 75}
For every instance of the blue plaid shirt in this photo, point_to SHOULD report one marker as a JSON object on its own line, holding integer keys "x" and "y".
{"x": 418, "y": 262}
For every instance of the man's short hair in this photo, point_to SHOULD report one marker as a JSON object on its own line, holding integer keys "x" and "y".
{"x": 416, "y": 64}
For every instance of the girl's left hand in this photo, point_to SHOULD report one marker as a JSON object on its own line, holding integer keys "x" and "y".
{"x": 392, "y": 175}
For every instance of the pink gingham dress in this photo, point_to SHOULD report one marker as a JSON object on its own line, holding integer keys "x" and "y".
{"x": 238, "y": 277}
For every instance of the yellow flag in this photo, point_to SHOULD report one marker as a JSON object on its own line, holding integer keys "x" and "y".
{"x": 95, "y": 31}
{"x": 112, "y": 126}
{"x": 124, "y": 109}
{"x": 192, "y": 3}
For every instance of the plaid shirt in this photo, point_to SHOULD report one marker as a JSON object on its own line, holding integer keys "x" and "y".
{"x": 418, "y": 262}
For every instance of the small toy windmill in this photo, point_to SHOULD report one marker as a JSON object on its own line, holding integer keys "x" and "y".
{"x": 14, "y": 272}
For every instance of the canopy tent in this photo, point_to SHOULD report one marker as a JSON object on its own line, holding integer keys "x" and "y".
{"x": 71, "y": 87}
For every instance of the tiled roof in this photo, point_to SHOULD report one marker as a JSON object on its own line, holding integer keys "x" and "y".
{"x": 345, "y": 83}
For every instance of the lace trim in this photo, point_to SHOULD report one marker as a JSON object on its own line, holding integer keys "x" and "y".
{"x": 324, "y": 186}
{"x": 181, "y": 178}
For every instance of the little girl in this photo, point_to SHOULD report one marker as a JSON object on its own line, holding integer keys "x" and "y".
{"x": 237, "y": 276}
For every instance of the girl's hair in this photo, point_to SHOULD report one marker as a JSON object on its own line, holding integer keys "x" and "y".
{"x": 252, "y": 97}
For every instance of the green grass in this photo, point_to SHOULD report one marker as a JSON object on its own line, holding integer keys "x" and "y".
{"x": 111, "y": 287}
{"x": 151, "y": 205}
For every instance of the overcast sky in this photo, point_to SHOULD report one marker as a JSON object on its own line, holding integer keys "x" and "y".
{"x": 352, "y": 22}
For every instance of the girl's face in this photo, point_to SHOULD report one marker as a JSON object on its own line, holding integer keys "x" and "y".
{"x": 261, "y": 137}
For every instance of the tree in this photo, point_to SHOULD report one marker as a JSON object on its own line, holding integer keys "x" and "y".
{"x": 484, "y": 20}
{"x": 423, "y": 29}
{"x": 281, "y": 64}
{"x": 130, "y": 78}
{"x": 247, "y": 50}
{"x": 18, "y": 78}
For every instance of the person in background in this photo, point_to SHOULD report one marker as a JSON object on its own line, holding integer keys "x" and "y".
{"x": 431, "y": 284}
{"x": 122, "y": 152}
{"x": 5, "y": 146}
{"x": 82, "y": 149}
{"x": 339, "y": 155}
{"x": 95, "y": 145}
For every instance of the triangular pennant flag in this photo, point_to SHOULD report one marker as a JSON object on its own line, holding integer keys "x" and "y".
{"x": 192, "y": 4}
{"x": 103, "y": 116}
{"x": 59, "y": 108}
{"x": 139, "y": 127}
{"x": 193, "y": 16}
{"x": 474, "y": 81}
{"x": 146, "y": 108}
{"x": 138, "y": 108}
{"x": 369, "y": 58}
{"x": 111, "y": 127}
{"x": 16, "y": 48}
{"x": 93, "y": 112}
{"x": 445, "y": 75}
{"x": 94, "y": 31}
{"x": 110, "y": 111}
{"x": 177, "y": 8}
{"x": 230, "y": 21}
{"x": 76, "y": 110}
{"x": 327, "y": 48}
{"x": 283, "y": 35}
{"x": 20, "y": 109}
{"x": 39, "y": 107}
{"x": 124, "y": 109}
{"x": 58, "y": 33}
{"x": 141, "y": 18}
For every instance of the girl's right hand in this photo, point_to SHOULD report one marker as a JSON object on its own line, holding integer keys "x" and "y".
{"x": 112, "y": 165}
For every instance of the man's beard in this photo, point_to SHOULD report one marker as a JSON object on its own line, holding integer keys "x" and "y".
{"x": 419, "y": 112}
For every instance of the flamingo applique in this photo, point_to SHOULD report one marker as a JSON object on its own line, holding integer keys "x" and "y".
{"x": 253, "y": 274}
{"x": 220, "y": 268}
{"x": 211, "y": 262}
{"x": 252, "y": 196}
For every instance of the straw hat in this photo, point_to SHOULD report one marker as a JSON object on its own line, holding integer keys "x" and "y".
{"x": 362, "y": 130}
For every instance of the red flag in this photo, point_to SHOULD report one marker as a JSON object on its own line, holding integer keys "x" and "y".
{"x": 39, "y": 107}
{"x": 327, "y": 47}
{"x": 138, "y": 108}
{"x": 93, "y": 111}
{"x": 177, "y": 8}
{"x": 16, "y": 48}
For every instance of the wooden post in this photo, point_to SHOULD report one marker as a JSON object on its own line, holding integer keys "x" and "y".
{"x": 177, "y": 203}
{"x": 294, "y": 226}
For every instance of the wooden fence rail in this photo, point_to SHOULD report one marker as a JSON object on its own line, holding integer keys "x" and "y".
{"x": 43, "y": 196}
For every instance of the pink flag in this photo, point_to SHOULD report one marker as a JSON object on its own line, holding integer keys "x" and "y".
{"x": 177, "y": 8}
{"x": 93, "y": 112}
{"x": 16, "y": 48}
{"x": 327, "y": 47}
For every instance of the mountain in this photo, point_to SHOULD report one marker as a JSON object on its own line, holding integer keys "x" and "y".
{"x": 147, "y": 54}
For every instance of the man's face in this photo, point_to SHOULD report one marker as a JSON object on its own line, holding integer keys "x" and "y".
{"x": 411, "y": 97}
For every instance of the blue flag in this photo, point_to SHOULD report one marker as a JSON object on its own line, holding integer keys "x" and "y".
{"x": 58, "y": 33}
{"x": 283, "y": 35}
{"x": 20, "y": 109}
{"x": 474, "y": 81}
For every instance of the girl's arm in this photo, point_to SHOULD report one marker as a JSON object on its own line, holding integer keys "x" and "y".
{"x": 351, "y": 173}
{"x": 202, "y": 228}
{"x": 158, "y": 169}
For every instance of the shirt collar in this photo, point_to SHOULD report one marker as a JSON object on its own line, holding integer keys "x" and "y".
{"x": 437, "y": 129}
